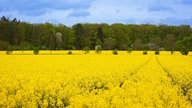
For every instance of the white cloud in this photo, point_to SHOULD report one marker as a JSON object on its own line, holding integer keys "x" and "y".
{"x": 71, "y": 12}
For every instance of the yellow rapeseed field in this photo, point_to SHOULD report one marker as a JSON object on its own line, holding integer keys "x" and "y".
{"x": 95, "y": 80}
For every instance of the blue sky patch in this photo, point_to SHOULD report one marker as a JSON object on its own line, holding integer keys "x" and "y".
{"x": 70, "y": 12}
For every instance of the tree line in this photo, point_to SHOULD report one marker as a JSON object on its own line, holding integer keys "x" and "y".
{"x": 19, "y": 35}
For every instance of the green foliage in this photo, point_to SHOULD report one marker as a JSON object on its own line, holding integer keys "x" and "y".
{"x": 9, "y": 50}
{"x": 129, "y": 50}
{"x": 123, "y": 47}
{"x": 157, "y": 52}
{"x": 155, "y": 41}
{"x": 98, "y": 49}
{"x": 170, "y": 43}
{"x": 100, "y": 34}
{"x": 185, "y": 45}
{"x": 36, "y": 50}
{"x": 23, "y": 36}
{"x": 115, "y": 52}
{"x": 44, "y": 48}
{"x": 98, "y": 42}
{"x": 79, "y": 31}
{"x": 138, "y": 44}
{"x": 4, "y": 45}
{"x": 145, "y": 52}
{"x": 70, "y": 52}
{"x": 25, "y": 46}
{"x": 109, "y": 43}
{"x": 86, "y": 50}
{"x": 184, "y": 51}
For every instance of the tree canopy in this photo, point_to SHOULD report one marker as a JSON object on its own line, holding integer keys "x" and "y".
{"x": 25, "y": 36}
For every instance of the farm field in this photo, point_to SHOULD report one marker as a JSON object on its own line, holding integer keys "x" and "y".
{"x": 95, "y": 80}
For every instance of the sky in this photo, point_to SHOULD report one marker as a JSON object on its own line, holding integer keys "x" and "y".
{"x": 70, "y": 12}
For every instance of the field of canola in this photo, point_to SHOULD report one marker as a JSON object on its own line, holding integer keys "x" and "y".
{"x": 96, "y": 81}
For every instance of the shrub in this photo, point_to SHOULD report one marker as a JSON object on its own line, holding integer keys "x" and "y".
{"x": 145, "y": 52}
{"x": 129, "y": 50}
{"x": 115, "y": 52}
{"x": 98, "y": 49}
{"x": 172, "y": 52}
{"x": 184, "y": 51}
{"x": 185, "y": 45}
{"x": 157, "y": 52}
{"x": 69, "y": 52}
{"x": 36, "y": 50}
{"x": 86, "y": 50}
{"x": 9, "y": 50}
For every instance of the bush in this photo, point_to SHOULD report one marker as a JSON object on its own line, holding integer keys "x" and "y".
{"x": 184, "y": 51}
{"x": 129, "y": 50}
{"x": 69, "y": 52}
{"x": 115, "y": 52}
{"x": 172, "y": 52}
{"x": 86, "y": 50}
{"x": 9, "y": 50}
{"x": 157, "y": 52}
{"x": 145, "y": 52}
{"x": 185, "y": 45}
{"x": 98, "y": 49}
{"x": 36, "y": 50}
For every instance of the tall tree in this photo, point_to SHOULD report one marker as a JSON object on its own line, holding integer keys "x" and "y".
{"x": 100, "y": 34}
{"x": 4, "y": 29}
{"x": 170, "y": 43}
{"x": 79, "y": 36}
{"x": 12, "y": 30}
{"x": 183, "y": 31}
{"x": 35, "y": 35}
{"x": 156, "y": 42}
{"x": 52, "y": 38}
{"x": 19, "y": 34}
{"x": 109, "y": 43}
{"x": 185, "y": 45}
{"x": 71, "y": 40}
{"x": 138, "y": 44}
{"x": 93, "y": 39}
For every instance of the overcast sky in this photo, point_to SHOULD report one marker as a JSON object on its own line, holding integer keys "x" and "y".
{"x": 69, "y": 12}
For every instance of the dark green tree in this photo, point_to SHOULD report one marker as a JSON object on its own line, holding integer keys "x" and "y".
{"x": 4, "y": 45}
{"x": 156, "y": 40}
{"x": 100, "y": 34}
{"x": 109, "y": 43}
{"x": 137, "y": 45}
{"x": 78, "y": 28}
{"x": 185, "y": 45}
{"x": 170, "y": 43}
{"x": 122, "y": 36}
